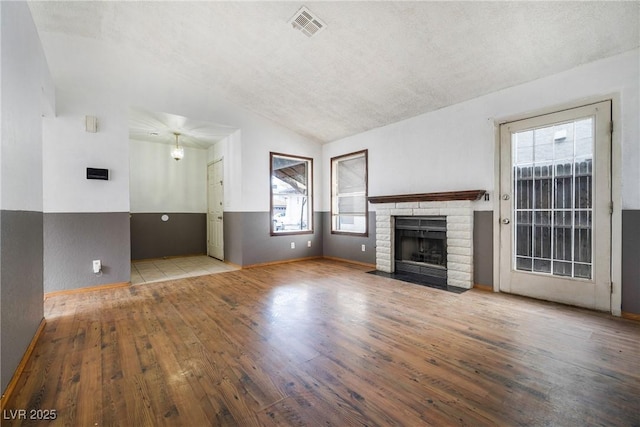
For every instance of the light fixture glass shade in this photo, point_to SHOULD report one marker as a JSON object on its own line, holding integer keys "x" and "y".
{"x": 177, "y": 152}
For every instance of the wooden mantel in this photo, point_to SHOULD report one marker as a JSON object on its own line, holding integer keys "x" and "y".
{"x": 430, "y": 197}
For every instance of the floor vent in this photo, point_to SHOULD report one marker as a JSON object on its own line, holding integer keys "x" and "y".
{"x": 305, "y": 21}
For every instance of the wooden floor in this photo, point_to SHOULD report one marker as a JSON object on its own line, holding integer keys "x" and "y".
{"x": 323, "y": 343}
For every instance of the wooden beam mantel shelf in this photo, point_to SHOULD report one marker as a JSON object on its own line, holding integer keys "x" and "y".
{"x": 430, "y": 197}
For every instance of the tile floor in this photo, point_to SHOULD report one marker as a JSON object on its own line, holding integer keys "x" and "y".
{"x": 158, "y": 270}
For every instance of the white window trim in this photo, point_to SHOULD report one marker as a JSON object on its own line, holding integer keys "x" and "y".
{"x": 335, "y": 196}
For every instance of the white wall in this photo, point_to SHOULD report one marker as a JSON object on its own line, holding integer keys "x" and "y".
{"x": 259, "y": 139}
{"x": 230, "y": 151}
{"x": 158, "y": 183}
{"x": 1, "y": 127}
{"x": 453, "y": 148}
{"x": 27, "y": 92}
{"x": 69, "y": 150}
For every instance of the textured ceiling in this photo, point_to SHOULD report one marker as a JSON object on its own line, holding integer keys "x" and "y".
{"x": 374, "y": 64}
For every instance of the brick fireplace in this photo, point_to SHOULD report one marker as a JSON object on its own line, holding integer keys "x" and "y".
{"x": 454, "y": 206}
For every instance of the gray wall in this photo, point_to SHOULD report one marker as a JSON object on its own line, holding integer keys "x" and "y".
{"x": 631, "y": 261}
{"x": 247, "y": 240}
{"x": 350, "y": 247}
{"x": 21, "y": 286}
{"x": 483, "y": 255}
{"x": 233, "y": 237}
{"x": 483, "y": 248}
{"x": 182, "y": 234}
{"x": 73, "y": 240}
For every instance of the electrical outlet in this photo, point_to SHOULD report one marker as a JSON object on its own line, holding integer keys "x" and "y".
{"x": 293, "y": 245}
{"x": 308, "y": 243}
{"x": 97, "y": 266}
{"x": 364, "y": 248}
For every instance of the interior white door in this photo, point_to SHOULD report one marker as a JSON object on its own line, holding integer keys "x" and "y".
{"x": 555, "y": 207}
{"x": 215, "y": 211}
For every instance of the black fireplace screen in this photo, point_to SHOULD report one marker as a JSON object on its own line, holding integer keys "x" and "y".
{"x": 421, "y": 245}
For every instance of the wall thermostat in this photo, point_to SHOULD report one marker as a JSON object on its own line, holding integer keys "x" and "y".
{"x": 94, "y": 173}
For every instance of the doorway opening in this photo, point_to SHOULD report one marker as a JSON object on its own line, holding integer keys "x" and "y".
{"x": 169, "y": 194}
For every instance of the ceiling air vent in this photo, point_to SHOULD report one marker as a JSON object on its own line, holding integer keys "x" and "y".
{"x": 305, "y": 21}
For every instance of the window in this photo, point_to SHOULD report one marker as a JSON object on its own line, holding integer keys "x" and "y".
{"x": 553, "y": 198}
{"x": 291, "y": 194}
{"x": 349, "y": 205}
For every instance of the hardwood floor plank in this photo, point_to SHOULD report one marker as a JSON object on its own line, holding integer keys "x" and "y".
{"x": 90, "y": 377}
{"x": 321, "y": 342}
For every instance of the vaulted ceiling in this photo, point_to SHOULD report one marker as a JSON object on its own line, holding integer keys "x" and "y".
{"x": 374, "y": 63}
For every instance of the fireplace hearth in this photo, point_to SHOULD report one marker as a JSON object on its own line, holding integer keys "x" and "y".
{"x": 420, "y": 247}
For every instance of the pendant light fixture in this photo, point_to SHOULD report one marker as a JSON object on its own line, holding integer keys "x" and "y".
{"x": 177, "y": 152}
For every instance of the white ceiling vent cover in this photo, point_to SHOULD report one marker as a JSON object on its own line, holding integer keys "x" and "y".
{"x": 305, "y": 21}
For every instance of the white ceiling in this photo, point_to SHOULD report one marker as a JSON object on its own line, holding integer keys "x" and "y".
{"x": 161, "y": 127}
{"x": 375, "y": 63}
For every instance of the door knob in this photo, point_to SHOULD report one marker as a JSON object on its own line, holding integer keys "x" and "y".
{"x": 505, "y": 197}
{"x": 219, "y": 217}
{"x": 505, "y": 220}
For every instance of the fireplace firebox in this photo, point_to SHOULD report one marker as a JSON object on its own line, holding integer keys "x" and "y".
{"x": 420, "y": 245}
